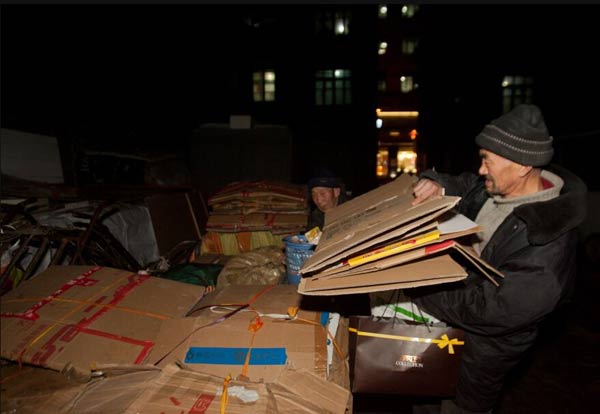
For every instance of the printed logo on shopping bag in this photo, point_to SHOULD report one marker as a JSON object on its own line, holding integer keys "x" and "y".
{"x": 409, "y": 361}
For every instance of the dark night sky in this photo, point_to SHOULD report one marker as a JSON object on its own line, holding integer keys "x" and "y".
{"x": 97, "y": 69}
{"x": 139, "y": 72}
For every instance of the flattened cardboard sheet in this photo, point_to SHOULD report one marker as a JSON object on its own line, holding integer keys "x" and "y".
{"x": 436, "y": 270}
{"x": 83, "y": 316}
{"x": 372, "y": 218}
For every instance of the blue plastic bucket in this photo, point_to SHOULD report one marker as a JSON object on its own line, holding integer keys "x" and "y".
{"x": 297, "y": 250}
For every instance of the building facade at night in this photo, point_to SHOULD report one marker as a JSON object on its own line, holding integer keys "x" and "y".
{"x": 368, "y": 90}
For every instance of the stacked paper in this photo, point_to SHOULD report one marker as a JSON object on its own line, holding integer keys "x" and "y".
{"x": 380, "y": 241}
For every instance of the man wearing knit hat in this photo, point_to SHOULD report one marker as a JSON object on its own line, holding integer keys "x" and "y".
{"x": 326, "y": 192}
{"x": 529, "y": 211}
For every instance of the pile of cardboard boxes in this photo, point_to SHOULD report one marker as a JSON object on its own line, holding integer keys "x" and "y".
{"x": 120, "y": 341}
{"x": 250, "y": 214}
{"x": 115, "y": 341}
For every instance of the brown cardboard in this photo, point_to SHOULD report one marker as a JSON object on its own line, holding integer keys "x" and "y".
{"x": 84, "y": 317}
{"x": 35, "y": 390}
{"x": 276, "y": 223}
{"x": 259, "y": 191}
{"x": 303, "y": 339}
{"x": 371, "y": 218}
{"x": 265, "y": 299}
{"x": 296, "y": 392}
{"x": 443, "y": 242}
{"x": 424, "y": 272}
{"x": 378, "y": 220}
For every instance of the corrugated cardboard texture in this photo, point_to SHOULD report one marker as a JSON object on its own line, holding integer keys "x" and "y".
{"x": 424, "y": 272}
{"x": 365, "y": 246}
{"x": 34, "y": 390}
{"x": 379, "y": 212}
{"x": 303, "y": 341}
{"x": 83, "y": 317}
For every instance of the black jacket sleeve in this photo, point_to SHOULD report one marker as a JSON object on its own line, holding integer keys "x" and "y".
{"x": 534, "y": 282}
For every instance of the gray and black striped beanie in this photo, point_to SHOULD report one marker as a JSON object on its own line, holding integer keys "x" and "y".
{"x": 519, "y": 135}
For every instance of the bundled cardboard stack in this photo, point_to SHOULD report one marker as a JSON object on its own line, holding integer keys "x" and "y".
{"x": 250, "y": 214}
{"x": 164, "y": 346}
{"x": 380, "y": 241}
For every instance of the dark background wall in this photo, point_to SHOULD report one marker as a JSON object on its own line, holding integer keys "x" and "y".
{"x": 145, "y": 77}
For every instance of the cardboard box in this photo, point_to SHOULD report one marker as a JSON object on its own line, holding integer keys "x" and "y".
{"x": 213, "y": 342}
{"x": 171, "y": 390}
{"x": 35, "y": 390}
{"x": 148, "y": 389}
{"x": 83, "y": 317}
{"x": 275, "y": 223}
{"x": 379, "y": 241}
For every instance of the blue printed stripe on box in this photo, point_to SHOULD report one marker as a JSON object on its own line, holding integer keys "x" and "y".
{"x": 235, "y": 356}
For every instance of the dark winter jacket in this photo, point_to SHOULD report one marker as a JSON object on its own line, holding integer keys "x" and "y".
{"x": 535, "y": 249}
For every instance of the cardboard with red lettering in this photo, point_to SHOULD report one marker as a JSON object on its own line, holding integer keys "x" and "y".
{"x": 83, "y": 317}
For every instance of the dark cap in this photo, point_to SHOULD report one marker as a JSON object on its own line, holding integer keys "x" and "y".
{"x": 323, "y": 177}
{"x": 520, "y": 135}
{"x": 332, "y": 182}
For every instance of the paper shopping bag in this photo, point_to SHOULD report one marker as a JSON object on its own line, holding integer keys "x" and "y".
{"x": 392, "y": 356}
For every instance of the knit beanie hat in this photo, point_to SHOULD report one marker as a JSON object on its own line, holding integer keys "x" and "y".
{"x": 520, "y": 136}
{"x": 324, "y": 178}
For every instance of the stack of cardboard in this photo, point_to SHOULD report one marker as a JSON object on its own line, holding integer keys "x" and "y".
{"x": 82, "y": 318}
{"x": 276, "y": 331}
{"x": 164, "y": 346}
{"x": 380, "y": 241}
{"x": 170, "y": 390}
{"x": 250, "y": 214}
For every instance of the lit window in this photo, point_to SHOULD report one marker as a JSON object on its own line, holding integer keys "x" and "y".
{"x": 406, "y": 84}
{"x": 333, "y": 87}
{"x": 409, "y": 46}
{"x": 406, "y": 161}
{"x": 382, "y": 48}
{"x": 382, "y": 11}
{"x": 382, "y": 165}
{"x": 379, "y": 123}
{"x": 263, "y": 86}
{"x": 409, "y": 10}
{"x": 516, "y": 90}
{"x": 337, "y": 23}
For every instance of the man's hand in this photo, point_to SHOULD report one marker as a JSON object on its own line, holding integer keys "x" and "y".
{"x": 425, "y": 189}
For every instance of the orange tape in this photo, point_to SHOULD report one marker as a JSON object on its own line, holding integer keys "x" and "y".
{"x": 85, "y": 302}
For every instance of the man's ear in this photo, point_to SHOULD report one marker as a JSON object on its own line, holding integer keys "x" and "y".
{"x": 336, "y": 191}
{"x": 524, "y": 170}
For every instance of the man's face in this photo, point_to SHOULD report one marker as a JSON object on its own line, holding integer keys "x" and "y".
{"x": 501, "y": 175}
{"x": 325, "y": 198}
